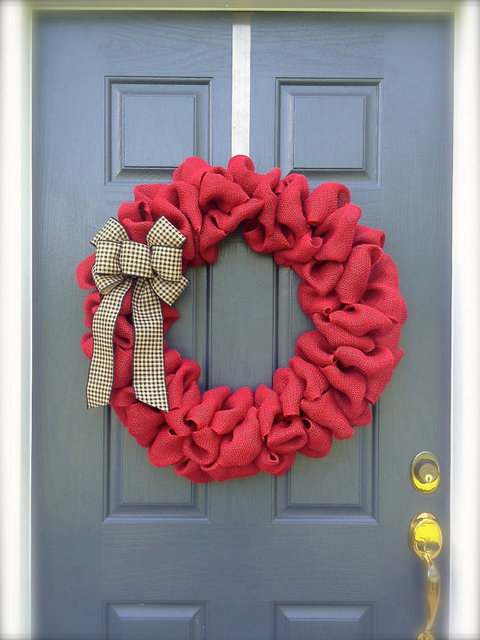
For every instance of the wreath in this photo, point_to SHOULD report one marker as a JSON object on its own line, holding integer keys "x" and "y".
{"x": 349, "y": 288}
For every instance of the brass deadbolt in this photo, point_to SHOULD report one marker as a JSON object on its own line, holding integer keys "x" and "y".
{"x": 425, "y": 472}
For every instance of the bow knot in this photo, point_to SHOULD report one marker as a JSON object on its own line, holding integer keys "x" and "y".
{"x": 157, "y": 267}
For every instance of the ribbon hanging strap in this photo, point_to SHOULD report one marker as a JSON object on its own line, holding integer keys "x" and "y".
{"x": 157, "y": 268}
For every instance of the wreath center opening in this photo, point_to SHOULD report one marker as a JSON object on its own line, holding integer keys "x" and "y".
{"x": 245, "y": 314}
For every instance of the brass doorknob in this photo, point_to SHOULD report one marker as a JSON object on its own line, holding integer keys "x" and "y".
{"x": 425, "y": 539}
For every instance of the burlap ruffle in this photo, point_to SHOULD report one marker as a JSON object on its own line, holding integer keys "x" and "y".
{"x": 349, "y": 288}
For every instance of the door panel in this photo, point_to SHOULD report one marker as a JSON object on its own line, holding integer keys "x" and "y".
{"x": 108, "y": 91}
{"x": 366, "y": 101}
{"x": 126, "y": 550}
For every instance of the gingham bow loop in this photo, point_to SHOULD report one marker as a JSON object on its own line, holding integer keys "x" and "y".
{"x": 157, "y": 268}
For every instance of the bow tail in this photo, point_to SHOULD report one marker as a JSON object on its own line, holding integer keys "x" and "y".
{"x": 148, "y": 360}
{"x": 100, "y": 376}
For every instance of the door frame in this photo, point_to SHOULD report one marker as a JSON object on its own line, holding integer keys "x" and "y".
{"x": 16, "y": 248}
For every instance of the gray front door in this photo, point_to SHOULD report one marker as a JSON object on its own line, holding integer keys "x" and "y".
{"x": 126, "y": 550}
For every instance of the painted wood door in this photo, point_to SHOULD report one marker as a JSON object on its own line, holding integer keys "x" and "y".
{"x": 127, "y": 551}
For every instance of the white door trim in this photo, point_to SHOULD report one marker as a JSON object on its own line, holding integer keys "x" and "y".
{"x": 465, "y": 390}
{"x": 15, "y": 320}
{"x": 16, "y": 291}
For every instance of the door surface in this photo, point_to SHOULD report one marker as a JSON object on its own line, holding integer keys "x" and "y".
{"x": 126, "y": 550}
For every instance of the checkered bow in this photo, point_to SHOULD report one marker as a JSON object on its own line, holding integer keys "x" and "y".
{"x": 157, "y": 268}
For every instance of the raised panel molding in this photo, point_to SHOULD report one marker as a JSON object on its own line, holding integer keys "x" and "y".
{"x": 177, "y": 111}
{"x": 315, "y": 621}
{"x": 342, "y": 485}
{"x": 345, "y": 487}
{"x": 328, "y": 129}
{"x": 135, "y": 488}
{"x": 156, "y": 621}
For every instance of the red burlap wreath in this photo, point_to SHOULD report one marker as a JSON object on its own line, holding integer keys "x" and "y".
{"x": 349, "y": 288}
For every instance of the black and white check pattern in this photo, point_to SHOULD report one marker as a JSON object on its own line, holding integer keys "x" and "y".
{"x": 157, "y": 266}
{"x": 100, "y": 376}
{"x": 148, "y": 366}
{"x": 135, "y": 260}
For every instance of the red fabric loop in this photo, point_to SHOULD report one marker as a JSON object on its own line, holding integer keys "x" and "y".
{"x": 349, "y": 288}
